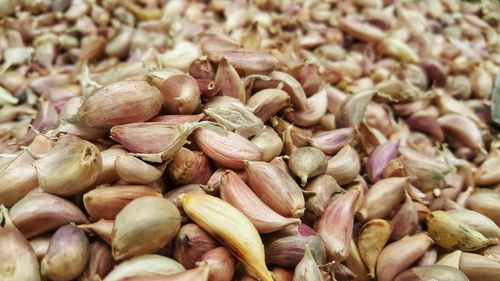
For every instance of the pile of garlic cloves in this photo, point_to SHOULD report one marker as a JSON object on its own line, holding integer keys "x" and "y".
{"x": 271, "y": 140}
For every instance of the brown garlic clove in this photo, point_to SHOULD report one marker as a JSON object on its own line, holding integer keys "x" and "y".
{"x": 67, "y": 255}
{"x": 266, "y": 103}
{"x": 144, "y": 226}
{"x": 307, "y": 162}
{"x": 191, "y": 243}
{"x": 371, "y": 240}
{"x": 78, "y": 164}
{"x": 100, "y": 263}
{"x": 120, "y": 103}
{"x": 275, "y": 188}
{"x": 39, "y": 212}
{"x": 17, "y": 259}
{"x": 335, "y": 226}
{"x": 102, "y": 228}
{"x": 270, "y": 143}
{"x": 136, "y": 171}
{"x": 181, "y": 94}
{"x": 399, "y": 255}
{"x": 220, "y": 262}
{"x": 105, "y": 202}
{"x": 330, "y": 142}
{"x": 345, "y": 166}
{"x": 234, "y": 191}
{"x": 382, "y": 197}
{"x": 189, "y": 167}
{"x": 230, "y": 151}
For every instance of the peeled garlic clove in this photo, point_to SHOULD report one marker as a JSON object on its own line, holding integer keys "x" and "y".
{"x": 330, "y": 142}
{"x": 452, "y": 234}
{"x": 195, "y": 274}
{"x": 189, "y": 167}
{"x": 17, "y": 179}
{"x": 229, "y": 81}
{"x": 100, "y": 263}
{"x": 335, "y": 226}
{"x": 270, "y": 143}
{"x": 191, "y": 243}
{"x": 40, "y": 245}
{"x": 231, "y": 227}
{"x": 486, "y": 203}
{"x": 78, "y": 166}
{"x": 17, "y": 259}
{"x": 372, "y": 239}
{"x": 230, "y": 151}
{"x": 382, "y": 197}
{"x": 234, "y": 191}
{"x": 275, "y": 188}
{"x": 399, "y": 255}
{"x": 307, "y": 162}
{"x": 432, "y": 272}
{"x": 120, "y": 103}
{"x": 488, "y": 174}
{"x": 102, "y": 228}
{"x": 479, "y": 268}
{"x": 266, "y": 103}
{"x": 353, "y": 108}
{"x": 144, "y": 265}
{"x": 40, "y": 212}
{"x": 234, "y": 116}
{"x": 380, "y": 157}
{"x": 108, "y": 172}
{"x": 345, "y": 166}
{"x": 462, "y": 129}
{"x": 181, "y": 94}
{"x": 481, "y": 83}
{"x": 287, "y": 250}
{"x": 67, "y": 255}
{"x": 136, "y": 171}
{"x": 221, "y": 263}
{"x": 478, "y": 221}
{"x": 322, "y": 188}
{"x": 405, "y": 221}
{"x": 144, "y": 226}
{"x": 316, "y": 108}
{"x": 307, "y": 269}
{"x": 106, "y": 202}
{"x": 173, "y": 119}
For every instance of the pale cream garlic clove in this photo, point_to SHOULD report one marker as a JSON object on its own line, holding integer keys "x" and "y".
{"x": 307, "y": 162}
{"x": 267, "y": 102}
{"x": 229, "y": 81}
{"x": 316, "y": 108}
{"x": 330, "y": 142}
{"x": 321, "y": 188}
{"x": 452, "y": 234}
{"x": 479, "y": 268}
{"x": 40, "y": 212}
{"x": 382, "y": 197}
{"x": 191, "y": 243}
{"x": 371, "y": 240}
{"x": 105, "y": 202}
{"x": 40, "y": 245}
{"x": 432, "y": 272}
{"x": 486, "y": 203}
{"x": 67, "y": 255}
{"x": 231, "y": 227}
{"x": 120, "y": 103}
{"x": 100, "y": 263}
{"x": 269, "y": 142}
{"x": 345, "y": 166}
{"x": 451, "y": 259}
{"x": 234, "y": 116}
{"x": 78, "y": 166}
{"x": 398, "y": 49}
{"x": 335, "y": 226}
{"x": 234, "y": 191}
{"x": 352, "y": 109}
{"x": 102, "y": 228}
{"x": 492, "y": 252}
{"x": 189, "y": 167}
{"x": 481, "y": 82}
{"x": 276, "y": 188}
{"x": 478, "y": 221}
{"x": 108, "y": 172}
{"x": 181, "y": 94}
{"x": 196, "y": 274}
{"x": 230, "y": 151}
{"x": 144, "y": 226}
{"x": 220, "y": 262}
{"x": 144, "y": 265}
{"x": 136, "y": 171}
{"x": 17, "y": 259}
{"x": 307, "y": 269}
{"x": 426, "y": 173}
{"x": 399, "y": 255}
{"x": 17, "y": 179}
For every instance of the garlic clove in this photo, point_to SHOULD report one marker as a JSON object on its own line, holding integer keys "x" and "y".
{"x": 478, "y": 221}
{"x": 380, "y": 157}
{"x": 486, "y": 203}
{"x": 311, "y": 115}
{"x": 189, "y": 167}
{"x": 322, "y": 188}
{"x": 307, "y": 269}
{"x": 144, "y": 265}
{"x": 429, "y": 272}
{"x": 17, "y": 179}
{"x": 195, "y": 274}
{"x": 267, "y": 102}
{"x": 307, "y": 162}
{"x": 330, "y": 142}
{"x": 270, "y": 143}
{"x": 220, "y": 262}
{"x": 405, "y": 221}
{"x": 229, "y": 81}
{"x": 136, "y": 171}
{"x": 353, "y": 108}
{"x": 181, "y": 94}
{"x": 102, "y": 228}
{"x": 191, "y": 243}
{"x": 479, "y": 268}
{"x": 345, "y": 166}
{"x": 372, "y": 239}
{"x": 100, "y": 263}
